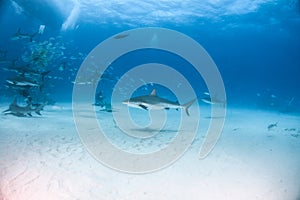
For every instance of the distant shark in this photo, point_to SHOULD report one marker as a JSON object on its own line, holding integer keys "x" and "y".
{"x": 154, "y": 102}
{"x": 19, "y": 36}
{"x": 22, "y": 81}
{"x": 212, "y": 101}
{"x": 27, "y": 71}
{"x": 20, "y": 111}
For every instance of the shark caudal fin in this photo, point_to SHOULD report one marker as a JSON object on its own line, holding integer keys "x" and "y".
{"x": 32, "y": 36}
{"x": 187, "y": 105}
{"x": 45, "y": 74}
{"x": 18, "y": 31}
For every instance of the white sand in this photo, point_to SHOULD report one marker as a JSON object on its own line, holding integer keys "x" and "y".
{"x": 43, "y": 158}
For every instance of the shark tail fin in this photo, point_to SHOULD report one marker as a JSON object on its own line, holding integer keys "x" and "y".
{"x": 44, "y": 74}
{"x": 187, "y": 105}
{"x": 33, "y": 35}
{"x": 41, "y": 86}
{"x": 13, "y": 62}
{"x": 5, "y": 111}
{"x": 14, "y": 103}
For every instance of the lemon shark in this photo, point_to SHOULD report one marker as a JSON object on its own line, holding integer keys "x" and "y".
{"x": 154, "y": 102}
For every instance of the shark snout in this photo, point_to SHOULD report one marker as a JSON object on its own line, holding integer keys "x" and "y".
{"x": 125, "y": 102}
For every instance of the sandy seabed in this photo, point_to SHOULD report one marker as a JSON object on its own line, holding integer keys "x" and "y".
{"x": 42, "y": 157}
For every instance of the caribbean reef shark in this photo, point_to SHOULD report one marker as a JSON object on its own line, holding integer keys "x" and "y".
{"x": 22, "y": 81}
{"x": 20, "y": 111}
{"x": 19, "y": 36}
{"x": 155, "y": 102}
{"x": 213, "y": 100}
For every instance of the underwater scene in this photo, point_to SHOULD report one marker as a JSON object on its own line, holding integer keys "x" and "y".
{"x": 142, "y": 100}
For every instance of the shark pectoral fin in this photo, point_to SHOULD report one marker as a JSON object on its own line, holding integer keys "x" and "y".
{"x": 41, "y": 87}
{"x": 187, "y": 105}
{"x": 44, "y": 74}
{"x": 29, "y": 114}
{"x": 5, "y": 111}
{"x": 143, "y": 106}
{"x": 14, "y": 102}
{"x": 32, "y": 36}
{"x": 167, "y": 108}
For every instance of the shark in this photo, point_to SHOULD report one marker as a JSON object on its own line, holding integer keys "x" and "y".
{"x": 208, "y": 100}
{"x": 212, "y": 101}
{"x": 20, "y": 111}
{"x": 154, "y": 102}
{"x": 19, "y": 36}
{"x": 22, "y": 81}
{"x": 27, "y": 71}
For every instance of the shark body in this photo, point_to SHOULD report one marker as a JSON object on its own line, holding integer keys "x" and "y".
{"x": 19, "y": 36}
{"x": 20, "y": 111}
{"x": 213, "y": 100}
{"x": 27, "y": 71}
{"x": 22, "y": 81}
{"x": 154, "y": 102}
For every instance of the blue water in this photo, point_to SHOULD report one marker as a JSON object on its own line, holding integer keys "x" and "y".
{"x": 252, "y": 151}
{"x": 255, "y": 45}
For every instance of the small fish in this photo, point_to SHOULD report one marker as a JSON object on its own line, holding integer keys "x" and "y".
{"x": 62, "y": 66}
{"x": 273, "y": 96}
{"x": 290, "y": 129}
{"x": 271, "y": 126}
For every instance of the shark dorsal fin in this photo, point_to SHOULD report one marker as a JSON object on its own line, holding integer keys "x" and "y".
{"x": 153, "y": 93}
{"x": 14, "y": 102}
